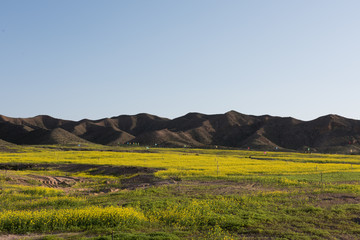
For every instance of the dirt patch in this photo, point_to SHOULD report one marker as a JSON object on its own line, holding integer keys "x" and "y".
{"x": 34, "y": 236}
{"x": 104, "y": 169}
{"x": 143, "y": 181}
{"x": 330, "y": 199}
{"x": 130, "y": 177}
{"x": 16, "y": 237}
{"x": 89, "y": 168}
{"x": 22, "y": 166}
{"x": 55, "y": 182}
{"x": 221, "y": 187}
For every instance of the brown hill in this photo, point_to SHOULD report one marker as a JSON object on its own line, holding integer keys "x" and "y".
{"x": 13, "y": 133}
{"x": 329, "y": 133}
{"x": 53, "y": 136}
{"x": 101, "y": 134}
{"x": 167, "y": 138}
{"x": 41, "y": 121}
{"x": 139, "y": 123}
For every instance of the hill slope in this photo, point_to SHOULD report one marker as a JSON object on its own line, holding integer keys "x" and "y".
{"x": 330, "y": 133}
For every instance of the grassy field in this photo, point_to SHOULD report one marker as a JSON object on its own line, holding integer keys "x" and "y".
{"x": 98, "y": 192}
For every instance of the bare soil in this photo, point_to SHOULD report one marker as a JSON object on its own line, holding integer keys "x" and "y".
{"x": 222, "y": 187}
{"x": 130, "y": 177}
{"x": 33, "y": 236}
{"x": 50, "y": 181}
{"x": 330, "y": 199}
{"x": 92, "y": 169}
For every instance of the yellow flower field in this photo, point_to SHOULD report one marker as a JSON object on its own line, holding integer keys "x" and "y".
{"x": 207, "y": 193}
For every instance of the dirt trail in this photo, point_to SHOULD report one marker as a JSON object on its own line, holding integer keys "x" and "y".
{"x": 131, "y": 177}
{"x": 55, "y": 182}
{"x": 33, "y": 236}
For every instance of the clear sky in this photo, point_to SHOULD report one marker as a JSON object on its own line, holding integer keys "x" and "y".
{"x": 76, "y": 59}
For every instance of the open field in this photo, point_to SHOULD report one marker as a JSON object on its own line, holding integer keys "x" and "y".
{"x": 98, "y": 192}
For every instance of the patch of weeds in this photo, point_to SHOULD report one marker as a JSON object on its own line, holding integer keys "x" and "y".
{"x": 137, "y": 236}
{"x": 51, "y": 238}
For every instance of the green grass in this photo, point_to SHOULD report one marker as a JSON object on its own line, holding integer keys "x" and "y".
{"x": 218, "y": 194}
{"x": 327, "y": 177}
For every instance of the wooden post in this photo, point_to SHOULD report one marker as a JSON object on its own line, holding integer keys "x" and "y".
{"x": 321, "y": 174}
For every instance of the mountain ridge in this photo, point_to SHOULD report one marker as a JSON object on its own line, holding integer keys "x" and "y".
{"x": 329, "y": 133}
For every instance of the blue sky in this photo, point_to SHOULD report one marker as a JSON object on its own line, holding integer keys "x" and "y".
{"x": 76, "y": 59}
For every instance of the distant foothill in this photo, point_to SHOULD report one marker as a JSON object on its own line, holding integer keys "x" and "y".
{"x": 330, "y": 133}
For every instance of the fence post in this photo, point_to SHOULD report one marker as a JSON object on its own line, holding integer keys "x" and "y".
{"x": 321, "y": 174}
